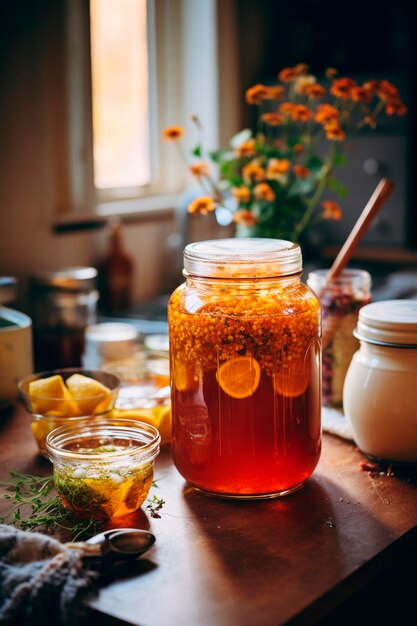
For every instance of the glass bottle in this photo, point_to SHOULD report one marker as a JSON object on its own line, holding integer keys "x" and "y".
{"x": 340, "y": 301}
{"x": 245, "y": 369}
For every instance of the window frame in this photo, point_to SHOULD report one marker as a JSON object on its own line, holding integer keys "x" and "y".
{"x": 187, "y": 82}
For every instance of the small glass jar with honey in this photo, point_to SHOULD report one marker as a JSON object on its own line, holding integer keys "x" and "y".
{"x": 245, "y": 369}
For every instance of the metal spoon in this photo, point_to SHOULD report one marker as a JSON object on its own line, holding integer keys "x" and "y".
{"x": 117, "y": 544}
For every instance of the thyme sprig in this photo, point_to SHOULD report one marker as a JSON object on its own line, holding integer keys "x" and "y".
{"x": 35, "y": 506}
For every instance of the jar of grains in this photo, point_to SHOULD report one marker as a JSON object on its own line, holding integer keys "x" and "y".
{"x": 245, "y": 369}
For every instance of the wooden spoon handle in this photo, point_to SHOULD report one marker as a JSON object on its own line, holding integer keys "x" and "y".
{"x": 381, "y": 193}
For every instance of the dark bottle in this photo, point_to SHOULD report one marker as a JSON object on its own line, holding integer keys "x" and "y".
{"x": 116, "y": 273}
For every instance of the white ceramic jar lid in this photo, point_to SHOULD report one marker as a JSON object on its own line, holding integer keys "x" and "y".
{"x": 389, "y": 322}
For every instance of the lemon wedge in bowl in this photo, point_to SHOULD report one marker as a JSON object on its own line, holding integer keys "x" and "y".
{"x": 91, "y": 395}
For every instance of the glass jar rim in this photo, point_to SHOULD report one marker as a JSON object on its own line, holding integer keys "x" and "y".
{"x": 348, "y": 276}
{"x": 242, "y": 258}
{"x": 144, "y": 434}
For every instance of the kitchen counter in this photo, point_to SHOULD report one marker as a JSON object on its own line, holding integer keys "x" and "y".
{"x": 318, "y": 556}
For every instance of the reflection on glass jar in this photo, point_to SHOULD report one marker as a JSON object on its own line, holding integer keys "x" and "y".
{"x": 245, "y": 369}
{"x": 340, "y": 301}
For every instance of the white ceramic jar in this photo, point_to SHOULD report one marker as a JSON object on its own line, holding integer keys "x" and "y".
{"x": 380, "y": 390}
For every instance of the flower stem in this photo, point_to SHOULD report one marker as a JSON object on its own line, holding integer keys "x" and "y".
{"x": 310, "y": 207}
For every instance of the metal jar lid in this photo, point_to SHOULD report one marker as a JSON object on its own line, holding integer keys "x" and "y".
{"x": 389, "y": 323}
{"x": 72, "y": 279}
{"x": 242, "y": 258}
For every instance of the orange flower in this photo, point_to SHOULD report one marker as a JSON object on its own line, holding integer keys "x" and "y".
{"x": 341, "y": 87}
{"x": 361, "y": 94}
{"x": 253, "y": 172}
{"x": 314, "y": 91}
{"x": 202, "y": 205}
{"x": 386, "y": 90}
{"x": 301, "y": 171}
{"x": 172, "y": 133}
{"x": 241, "y": 194}
{"x": 326, "y": 113}
{"x": 334, "y": 132}
{"x": 298, "y": 148}
{"x": 274, "y": 93}
{"x": 286, "y": 108}
{"x": 277, "y": 168}
{"x": 263, "y": 191}
{"x": 303, "y": 82}
{"x": 301, "y": 68}
{"x": 199, "y": 169}
{"x": 272, "y": 119}
{"x": 246, "y": 149}
{"x": 245, "y": 217}
{"x": 372, "y": 85}
{"x": 300, "y": 113}
{"x": 257, "y": 93}
{"x": 331, "y": 72}
{"x": 288, "y": 74}
{"x": 332, "y": 210}
{"x": 395, "y": 107}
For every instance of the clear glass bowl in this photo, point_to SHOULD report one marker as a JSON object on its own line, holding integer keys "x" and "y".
{"x": 52, "y": 405}
{"x": 145, "y": 393}
{"x": 103, "y": 469}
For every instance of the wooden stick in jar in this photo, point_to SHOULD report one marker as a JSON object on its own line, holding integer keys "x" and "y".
{"x": 381, "y": 193}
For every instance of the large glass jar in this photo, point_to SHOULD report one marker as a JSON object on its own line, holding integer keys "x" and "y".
{"x": 245, "y": 369}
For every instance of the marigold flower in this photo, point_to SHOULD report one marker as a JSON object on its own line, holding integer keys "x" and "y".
{"x": 330, "y": 72}
{"x": 314, "y": 91}
{"x": 298, "y": 148}
{"x": 274, "y": 93}
{"x": 341, "y": 87}
{"x": 263, "y": 191}
{"x": 326, "y": 113}
{"x": 246, "y": 149}
{"x": 199, "y": 169}
{"x": 300, "y": 171}
{"x": 253, "y": 172}
{"x": 395, "y": 107}
{"x": 172, "y": 133}
{"x": 372, "y": 85}
{"x": 257, "y": 93}
{"x": 286, "y": 108}
{"x": 202, "y": 205}
{"x": 272, "y": 119}
{"x": 301, "y": 68}
{"x": 288, "y": 74}
{"x": 332, "y": 210}
{"x": 300, "y": 113}
{"x": 277, "y": 168}
{"x": 386, "y": 90}
{"x": 241, "y": 194}
{"x": 245, "y": 217}
{"x": 361, "y": 94}
{"x": 334, "y": 132}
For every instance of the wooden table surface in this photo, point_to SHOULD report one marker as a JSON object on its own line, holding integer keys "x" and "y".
{"x": 233, "y": 563}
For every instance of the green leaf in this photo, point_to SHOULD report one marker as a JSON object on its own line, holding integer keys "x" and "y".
{"x": 314, "y": 163}
{"x": 197, "y": 151}
{"x": 301, "y": 187}
{"x": 337, "y": 186}
{"x": 339, "y": 159}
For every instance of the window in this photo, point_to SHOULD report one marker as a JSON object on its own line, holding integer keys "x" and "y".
{"x": 134, "y": 67}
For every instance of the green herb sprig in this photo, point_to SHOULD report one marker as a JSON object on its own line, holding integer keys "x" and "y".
{"x": 35, "y": 506}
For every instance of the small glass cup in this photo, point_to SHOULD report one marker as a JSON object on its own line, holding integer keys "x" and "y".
{"x": 51, "y": 409}
{"x": 340, "y": 301}
{"x": 104, "y": 469}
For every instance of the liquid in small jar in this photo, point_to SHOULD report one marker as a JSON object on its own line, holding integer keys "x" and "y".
{"x": 246, "y": 378}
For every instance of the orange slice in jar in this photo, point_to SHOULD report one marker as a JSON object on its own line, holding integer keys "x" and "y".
{"x": 183, "y": 378}
{"x": 293, "y": 379}
{"x": 239, "y": 377}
